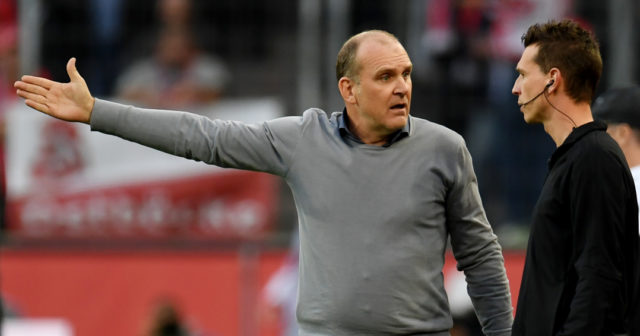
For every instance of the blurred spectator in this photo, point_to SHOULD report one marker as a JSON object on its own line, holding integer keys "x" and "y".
{"x": 465, "y": 321}
{"x": 528, "y": 148}
{"x": 473, "y": 47}
{"x": 455, "y": 38}
{"x": 178, "y": 75}
{"x": 620, "y": 109}
{"x": 166, "y": 321}
{"x": 280, "y": 295}
{"x": 87, "y": 29}
{"x": 108, "y": 35}
{"x": 143, "y": 21}
{"x": 175, "y": 13}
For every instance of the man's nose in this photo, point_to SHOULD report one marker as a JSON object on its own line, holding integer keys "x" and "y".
{"x": 402, "y": 86}
{"x": 516, "y": 88}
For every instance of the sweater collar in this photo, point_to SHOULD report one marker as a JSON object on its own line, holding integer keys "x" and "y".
{"x": 343, "y": 122}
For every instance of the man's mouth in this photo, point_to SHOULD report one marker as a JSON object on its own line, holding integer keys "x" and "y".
{"x": 398, "y": 106}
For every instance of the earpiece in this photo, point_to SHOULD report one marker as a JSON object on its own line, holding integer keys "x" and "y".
{"x": 541, "y": 92}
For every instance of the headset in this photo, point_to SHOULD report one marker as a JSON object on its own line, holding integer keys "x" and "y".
{"x": 539, "y": 94}
{"x": 544, "y": 91}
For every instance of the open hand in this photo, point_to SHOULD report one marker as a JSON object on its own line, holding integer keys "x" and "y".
{"x": 66, "y": 101}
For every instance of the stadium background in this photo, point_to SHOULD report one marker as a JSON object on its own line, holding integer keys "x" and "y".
{"x": 98, "y": 231}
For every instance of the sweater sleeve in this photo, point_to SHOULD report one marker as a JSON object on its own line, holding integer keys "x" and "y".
{"x": 476, "y": 248}
{"x": 266, "y": 147}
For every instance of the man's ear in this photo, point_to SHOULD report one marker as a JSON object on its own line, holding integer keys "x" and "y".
{"x": 621, "y": 133}
{"x": 624, "y": 133}
{"x": 347, "y": 87}
{"x": 555, "y": 81}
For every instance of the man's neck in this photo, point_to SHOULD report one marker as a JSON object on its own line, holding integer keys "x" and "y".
{"x": 561, "y": 124}
{"x": 633, "y": 155}
{"x": 366, "y": 134}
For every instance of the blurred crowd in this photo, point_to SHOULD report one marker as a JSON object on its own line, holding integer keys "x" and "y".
{"x": 156, "y": 60}
{"x": 179, "y": 54}
{"x": 471, "y": 48}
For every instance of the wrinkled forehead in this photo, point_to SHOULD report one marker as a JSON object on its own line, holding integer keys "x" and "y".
{"x": 382, "y": 51}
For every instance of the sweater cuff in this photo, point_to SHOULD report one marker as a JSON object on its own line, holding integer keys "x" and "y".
{"x": 103, "y": 115}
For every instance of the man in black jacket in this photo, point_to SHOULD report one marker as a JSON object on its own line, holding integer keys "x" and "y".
{"x": 581, "y": 259}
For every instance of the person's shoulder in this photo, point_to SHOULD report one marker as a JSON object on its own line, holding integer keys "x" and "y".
{"x": 431, "y": 131}
{"x": 209, "y": 63}
{"x": 310, "y": 117}
{"x": 599, "y": 158}
{"x": 599, "y": 150}
{"x": 599, "y": 143}
{"x": 437, "y": 146}
{"x": 142, "y": 64}
{"x": 208, "y": 59}
{"x": 142, "y": 70}
{"x": 316, "y": 115}
{"x": 141, "y": 73}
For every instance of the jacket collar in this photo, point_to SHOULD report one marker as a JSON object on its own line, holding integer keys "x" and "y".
{"x": 573, "y": 137}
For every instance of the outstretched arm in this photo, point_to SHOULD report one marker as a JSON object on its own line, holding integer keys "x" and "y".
{"x": 66, "y": 101}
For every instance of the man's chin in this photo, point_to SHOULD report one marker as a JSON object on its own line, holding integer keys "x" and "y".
{"x": 398, "y": 122}
{"x": 531, "y": 121}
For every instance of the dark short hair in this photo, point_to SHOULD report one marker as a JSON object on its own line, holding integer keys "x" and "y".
{"x": 346, "y": 64}
{"x": 572, "y": 49}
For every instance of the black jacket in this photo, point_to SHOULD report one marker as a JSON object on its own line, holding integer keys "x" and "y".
{"x": 581, "y": 262}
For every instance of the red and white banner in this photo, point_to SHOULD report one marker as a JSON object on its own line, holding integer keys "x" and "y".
{"x": 65, "y": 181}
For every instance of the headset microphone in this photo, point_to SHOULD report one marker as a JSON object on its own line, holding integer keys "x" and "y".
{"x": 548, "y": 101}
{"x": 539, "y": 94}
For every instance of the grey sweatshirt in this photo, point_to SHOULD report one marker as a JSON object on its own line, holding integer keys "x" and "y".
{"x": 374, "y": 221}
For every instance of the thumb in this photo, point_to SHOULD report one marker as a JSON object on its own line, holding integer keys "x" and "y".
{"x": 73, "y": 73}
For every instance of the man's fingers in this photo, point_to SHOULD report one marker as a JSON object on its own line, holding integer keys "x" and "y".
{"x": 30, "y": 88}
{"x": 45, "y": 83}
{"x": 35, "y": 105}
{"x": 32, "y": 96}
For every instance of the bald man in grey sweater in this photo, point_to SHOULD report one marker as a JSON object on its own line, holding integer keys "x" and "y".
{"x": 378, "y": 192}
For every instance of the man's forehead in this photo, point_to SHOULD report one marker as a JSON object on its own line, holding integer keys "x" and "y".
{"x": 529, "y": 53}
{"x": 381, "y": 51}
{"x": 376, "y": 35}
{"x": 527, "y": 60}
{"x": 376, "y": 40}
